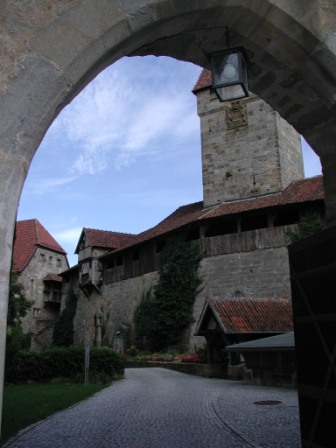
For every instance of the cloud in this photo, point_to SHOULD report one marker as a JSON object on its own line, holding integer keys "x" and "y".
{"x": 161, "y": 198}
{"x": 125, "y": 113}
{"x": 68, "y": 235}
{"x": 45, "y": 186}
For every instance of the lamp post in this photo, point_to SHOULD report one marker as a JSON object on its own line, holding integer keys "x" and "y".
{"x": 229, "y": 74}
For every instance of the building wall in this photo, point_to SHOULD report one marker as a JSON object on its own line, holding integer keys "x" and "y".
{"x": 258, "y": 273}
{"x": 262, "y": 273}
{"x": 117, "y": 302}
{"x": 247, "y": 149}
{"x": 40, "y": 317}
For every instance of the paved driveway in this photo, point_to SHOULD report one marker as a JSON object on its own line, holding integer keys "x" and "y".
{"x": 159, "y": 408}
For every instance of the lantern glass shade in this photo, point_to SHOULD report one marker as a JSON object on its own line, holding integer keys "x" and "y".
{"x": 229, "y": 75}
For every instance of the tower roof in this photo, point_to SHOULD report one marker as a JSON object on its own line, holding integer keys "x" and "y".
{"x": 29, "y": 235}
{"x": 204, "y": 81}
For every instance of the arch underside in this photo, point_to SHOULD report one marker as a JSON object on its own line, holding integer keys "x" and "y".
{"x": 51, "y": 49}
{"x": 290, "y": 60}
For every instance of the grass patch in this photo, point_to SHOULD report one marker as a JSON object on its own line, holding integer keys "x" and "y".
{"x": 25, "y": 404}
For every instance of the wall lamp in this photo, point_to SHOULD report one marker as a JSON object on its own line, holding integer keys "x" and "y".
{"x": 229, "y": 74}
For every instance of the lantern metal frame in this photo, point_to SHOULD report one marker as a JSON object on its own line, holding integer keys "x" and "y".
{"x": 229, "y": 74}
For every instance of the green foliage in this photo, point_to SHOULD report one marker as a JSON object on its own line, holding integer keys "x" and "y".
{"x": 63, "y": 330}
{"x": 18, "y": 307}
{"x": 166, "y": 311}
{"x": 18, "y": 304}
{"x": 62, "y": 362}
{"x": 307, "y": 226}
{"x": 16, "y": 341}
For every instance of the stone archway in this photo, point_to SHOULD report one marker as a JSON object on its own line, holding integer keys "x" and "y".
{"x": 52, "y": 48}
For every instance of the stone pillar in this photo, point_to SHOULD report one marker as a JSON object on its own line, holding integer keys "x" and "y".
{"x": 12, "y": 174}
{"x": 329, "y": 183}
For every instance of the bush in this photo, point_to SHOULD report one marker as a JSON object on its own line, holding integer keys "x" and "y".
{"x": 62, "y": 362}
{"x": 307, "y": 226}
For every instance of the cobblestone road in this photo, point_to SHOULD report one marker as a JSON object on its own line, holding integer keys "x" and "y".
{"x": 162, "y": 408}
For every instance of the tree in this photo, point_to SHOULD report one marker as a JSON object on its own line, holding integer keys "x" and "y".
{"x": 63, "y": 330}
{"x": 18, "y": 307}
{"x": 167, "y": 311}
{"x": 18, "y": 304}
{"x": 307, "y": 226}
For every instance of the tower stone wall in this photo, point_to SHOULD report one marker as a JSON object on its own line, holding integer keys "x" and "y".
{"x": 247, "y": 149}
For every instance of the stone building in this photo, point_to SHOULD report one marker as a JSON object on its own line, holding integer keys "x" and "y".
{"x": 253, "y": 191}
{"x": 37, "y": 261}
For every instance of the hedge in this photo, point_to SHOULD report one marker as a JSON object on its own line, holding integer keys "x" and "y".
{"x": 26, "y": 366}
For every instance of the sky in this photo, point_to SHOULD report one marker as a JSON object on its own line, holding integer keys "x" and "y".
{"x": 123, "y": 155}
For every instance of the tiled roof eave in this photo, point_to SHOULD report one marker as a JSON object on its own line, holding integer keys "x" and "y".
{"x": 218, "y": 318}
{"x": 302, "y": 191}
{"x": 52, "y": 249}
{"x": 23, "y": 267}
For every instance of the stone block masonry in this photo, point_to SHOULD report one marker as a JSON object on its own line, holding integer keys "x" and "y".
{"x": 258, "y": 274}
{"x": 247, "y": 149}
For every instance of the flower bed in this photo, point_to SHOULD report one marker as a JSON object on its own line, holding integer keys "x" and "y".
{"x": 171, "y": 356}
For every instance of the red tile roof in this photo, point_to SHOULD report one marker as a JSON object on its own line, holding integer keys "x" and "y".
{"x": 252, "y": 315}
{"x": 52, "y": 278}
{"x": 29, "y": 235}
{"x": 305, "y": 190}
{"x": 107, "y": 239}
{"x": 204, "y": 81}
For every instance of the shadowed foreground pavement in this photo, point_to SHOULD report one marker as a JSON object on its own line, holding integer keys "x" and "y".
{"x": 155, "y": 407}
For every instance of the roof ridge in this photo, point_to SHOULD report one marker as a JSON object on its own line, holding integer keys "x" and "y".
{"x": 109, "y": 231}
{"x": 37, "y": 232}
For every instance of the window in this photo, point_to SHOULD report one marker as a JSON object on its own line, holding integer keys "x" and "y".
{"x": 58, "y": 262}
{"x": 287, "y": 217}
{"x": 221, "y": 228}
{"x": 36, "y": 312}
{"x": 50, "y": 260}
{"x": 42, "y": 258}
{"x": 32, "y": 287}
{"x": 238, "y": 295}
{"x": 254, "y": 222}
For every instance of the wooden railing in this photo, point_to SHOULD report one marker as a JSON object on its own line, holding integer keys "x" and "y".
{"x": 270, "y": 237}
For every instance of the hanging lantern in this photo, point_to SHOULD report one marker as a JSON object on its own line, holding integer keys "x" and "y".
{"x": 229, "y": 75}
